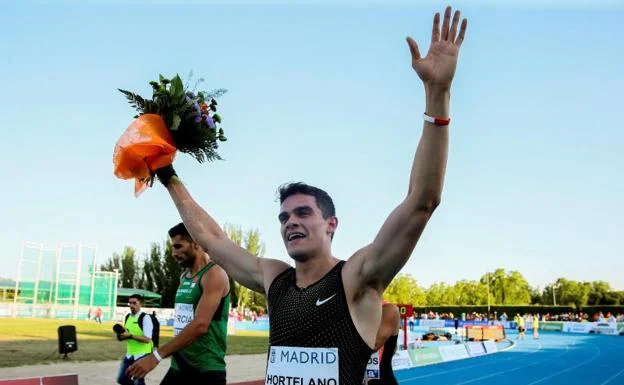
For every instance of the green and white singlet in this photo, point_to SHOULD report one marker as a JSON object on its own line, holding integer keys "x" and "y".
{"x": 207, "y": 352}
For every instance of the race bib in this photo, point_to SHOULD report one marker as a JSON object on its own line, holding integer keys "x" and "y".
{"x": 372, "y": 369}
{"x": 183, "y": 316}
{"x": 302, "y": 366}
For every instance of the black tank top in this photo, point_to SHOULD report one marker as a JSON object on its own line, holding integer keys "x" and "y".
{"x": 317, "y": 317}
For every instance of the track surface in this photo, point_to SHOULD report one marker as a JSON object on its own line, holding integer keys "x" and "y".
{"x": 554, "y": 359}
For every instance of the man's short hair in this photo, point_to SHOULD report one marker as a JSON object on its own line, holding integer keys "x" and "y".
{"x": 322, "y": 198}
{"x": 138, "y": 297}
{"x": 179, "y": 229}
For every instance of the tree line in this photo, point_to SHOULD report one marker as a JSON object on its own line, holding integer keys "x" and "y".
{"x": 502, "y": 288}
{"x": 158, "y": 272}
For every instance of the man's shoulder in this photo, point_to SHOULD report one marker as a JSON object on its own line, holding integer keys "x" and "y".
{"x": 213, "y": 278}
{"x": 214, "y": 271}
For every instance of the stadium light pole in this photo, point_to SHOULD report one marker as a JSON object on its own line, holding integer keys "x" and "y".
{"x": 554, "y": 298}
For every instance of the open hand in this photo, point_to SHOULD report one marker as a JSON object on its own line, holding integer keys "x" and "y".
{"x": 438, "y": 67}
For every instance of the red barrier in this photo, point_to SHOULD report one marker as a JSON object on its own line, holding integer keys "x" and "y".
{"x": 24, "y": 381}
{"x": 71, "y": 379}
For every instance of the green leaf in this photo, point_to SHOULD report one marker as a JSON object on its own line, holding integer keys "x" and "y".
{"x": 177, "y": 87}
{"x": 160, "y": 77}
{"x": 176, "y": 122}
{"x": 136, "y": 101}
{"x": 216, "y": 118}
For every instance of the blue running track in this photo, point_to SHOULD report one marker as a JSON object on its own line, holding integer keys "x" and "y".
{"x": 554, "y": 359}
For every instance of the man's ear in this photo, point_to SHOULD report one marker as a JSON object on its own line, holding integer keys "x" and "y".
{"x": 332, "y": 226}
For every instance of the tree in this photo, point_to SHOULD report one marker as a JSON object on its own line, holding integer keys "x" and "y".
{"x": 598, "y": 293}
{"x": 111, "y": 264}
{"x": 128, "y": 266}
{"x": 251, "y": 241}
{"x": 171, "y": 277}
{"x": 567, "y": 292}
{"x": 470, "y": 293}
{"x": 536, "y": 296}
{"x": 404, "y": 289}
{"x": 518, "y": 289}
{"x": 508, "y": 288}
{"x": 439, "y": 294}
{"x": 152, "y": 276}
{"x": 613, "y": 298}
{"x": 161, "y": 273}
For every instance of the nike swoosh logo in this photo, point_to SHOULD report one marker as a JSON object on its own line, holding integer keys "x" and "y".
{"x": 319, "y": 302}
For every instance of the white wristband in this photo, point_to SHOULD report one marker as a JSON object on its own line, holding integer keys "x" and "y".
{"x": 158, "y": 357}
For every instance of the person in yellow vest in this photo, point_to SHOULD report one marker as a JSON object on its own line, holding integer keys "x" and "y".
{"x": 536, "y": 327}
{"x": 139, "y": 340}
{"x": 521, "y": 329}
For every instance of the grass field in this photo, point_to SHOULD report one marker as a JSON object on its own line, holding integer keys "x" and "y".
{"x": 27, "y": 341}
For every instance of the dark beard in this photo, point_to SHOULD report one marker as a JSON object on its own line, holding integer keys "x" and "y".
{"x": 188, "y": 263}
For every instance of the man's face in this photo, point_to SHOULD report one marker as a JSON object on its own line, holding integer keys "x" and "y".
{"x": 303, "y": 228}
{"x": 183, "y": 250}
{"x": 135, "y": 305}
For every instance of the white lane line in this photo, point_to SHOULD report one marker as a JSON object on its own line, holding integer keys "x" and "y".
{"x": 567, "y": 350}
{"x": 568, "y": 369}
{"x": 612, "y": 377}
{"x": 490, "y": 362}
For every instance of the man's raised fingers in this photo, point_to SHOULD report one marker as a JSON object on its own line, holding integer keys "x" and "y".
{"x": 435, "y": 33}
{"x": 413, "y": 46}
{"x": 445, "y": 23}
{"x": 453, "y": 31}
{"x": 462, "y": 32}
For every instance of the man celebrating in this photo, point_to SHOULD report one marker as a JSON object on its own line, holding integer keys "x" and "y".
{"x": 138, "y": 333}
{"x": 201, "y": 312}
{"x": 325, "y": 313}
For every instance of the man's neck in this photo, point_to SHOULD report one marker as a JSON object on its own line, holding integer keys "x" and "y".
{"x": 136, "y": 312}
{"x": 200, "y": 262}
{"x": 312, "y": 270}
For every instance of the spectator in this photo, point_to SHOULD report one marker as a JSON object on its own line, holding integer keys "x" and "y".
{"x": 139, "y": 337}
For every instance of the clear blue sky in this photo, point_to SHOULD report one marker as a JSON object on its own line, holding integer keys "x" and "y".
{"x": 326, "y": 95}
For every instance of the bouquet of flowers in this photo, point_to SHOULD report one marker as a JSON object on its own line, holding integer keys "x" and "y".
{"x": 175, "y": 118}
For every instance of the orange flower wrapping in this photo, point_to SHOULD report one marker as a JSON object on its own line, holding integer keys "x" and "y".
{"x": 144, "y": 147}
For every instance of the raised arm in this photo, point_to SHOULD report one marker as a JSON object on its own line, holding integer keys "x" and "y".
{"x": 375, "y": 265}
{"x": 250, "y": 271}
